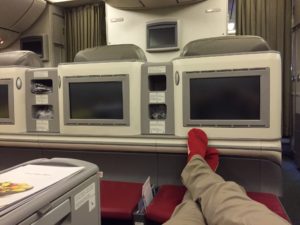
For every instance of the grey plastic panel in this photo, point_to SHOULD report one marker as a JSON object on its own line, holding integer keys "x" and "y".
{"x": 11, "y": 115}
{"x": 264, "y": 120}
{"x": 38, "y": 101}
{"x": 56, "y": 214}
{"x": 161, "y": 99}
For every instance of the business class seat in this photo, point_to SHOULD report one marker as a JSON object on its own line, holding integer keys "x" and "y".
{"x": 169, "y": 196}
{"x": 118, "y": 199}
{"x": 13, "y": 68}
{"x": 114, "y": 67}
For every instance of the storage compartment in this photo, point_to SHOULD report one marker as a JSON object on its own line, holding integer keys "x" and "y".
{"x": 42, "y": 100}
{"x": 158, "y": 111}
{"x": 42, "y": 112}
{"x": 157, "y": 99}
{"x": 157, "y": 82}
{"x": 43, "y": 86}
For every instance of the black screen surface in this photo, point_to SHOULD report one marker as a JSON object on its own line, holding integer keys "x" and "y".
{"x": 96, "y": 100}
{"x": 225, "y": 98}
{"x": 34, "y": 44}
{"x": 4, "y": 104}
{"x": 162, "y": 36}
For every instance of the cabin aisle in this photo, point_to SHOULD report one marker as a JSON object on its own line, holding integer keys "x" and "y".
{"x": 291, "y": 189}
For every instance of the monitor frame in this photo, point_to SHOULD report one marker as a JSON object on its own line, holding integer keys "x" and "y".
{"x": 123, "y": 78}
{"x": 158, "y": 25}
{"x": 11, "y": 115}
{"x": 264, "y": 121}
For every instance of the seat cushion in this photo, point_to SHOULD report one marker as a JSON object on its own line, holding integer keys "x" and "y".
{"x": 164, "y": 203}
{"x": 169, "y": 196}
{"x": 119, "y": 199}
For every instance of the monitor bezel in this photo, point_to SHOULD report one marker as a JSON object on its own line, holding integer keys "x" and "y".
{"x": 123, "y": 78}
{"x": 158, "y": 25}
{"x": 11, "y": 117}
{"x": 264, "y": 121}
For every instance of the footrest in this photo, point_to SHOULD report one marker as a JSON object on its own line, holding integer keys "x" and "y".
{"x": 119, "y": 199}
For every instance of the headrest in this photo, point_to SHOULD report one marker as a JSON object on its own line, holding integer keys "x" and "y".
{"x": 225, "y": 45}
{"x": 124, "y": 52}
{"x": 20, "y": 58}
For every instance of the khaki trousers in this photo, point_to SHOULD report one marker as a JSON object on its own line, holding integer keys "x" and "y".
{"x": 213, "y": 201}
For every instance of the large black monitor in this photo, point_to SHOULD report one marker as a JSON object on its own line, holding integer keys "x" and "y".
{"x": 6, "y": 101}
{"x": 236, "y": 98}
{"x": 92, "y": 100}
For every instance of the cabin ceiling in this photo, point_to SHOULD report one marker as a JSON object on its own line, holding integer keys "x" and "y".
{"x": 147, "y": 4}
{"x": 126, "y": 4}
{"x": 73, "y": 3}
{"x": 16, "y": 16}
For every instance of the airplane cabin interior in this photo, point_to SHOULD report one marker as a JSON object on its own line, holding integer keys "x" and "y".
{"x": 97, "y": 98}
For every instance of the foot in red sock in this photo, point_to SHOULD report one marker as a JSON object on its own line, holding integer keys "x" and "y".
{"x": 212, "y": 158}
{"x": 197, "y": 143}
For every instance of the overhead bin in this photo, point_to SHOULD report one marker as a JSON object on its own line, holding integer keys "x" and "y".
{"x": 16, "y": 17}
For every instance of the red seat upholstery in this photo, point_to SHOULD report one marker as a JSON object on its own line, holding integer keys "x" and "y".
{"x": 169, "y": 196}
{"x": 119, "y": 199}
{"x": 164, "y": 203}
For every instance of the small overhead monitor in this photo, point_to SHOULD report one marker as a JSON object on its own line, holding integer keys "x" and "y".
{"x": 6, "y": 101}
{"x": 237, "y": 98}
{"x": 162, "y": 36}
{"x": 37, "y": 44}
{"x": 97, "y": 100}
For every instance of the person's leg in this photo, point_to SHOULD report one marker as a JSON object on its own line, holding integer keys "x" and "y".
{"x": 187, "y": 213}
{"x": 223, "y": 202}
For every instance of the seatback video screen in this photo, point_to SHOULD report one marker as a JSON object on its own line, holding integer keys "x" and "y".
{"x": 4, "y": 101}
{"x": 96, "y": 100}
{"x": 225, "y": 98}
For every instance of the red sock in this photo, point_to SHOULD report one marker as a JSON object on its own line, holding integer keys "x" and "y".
{"x": 197, "y": 143}
{"x": 212, "y": 158}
